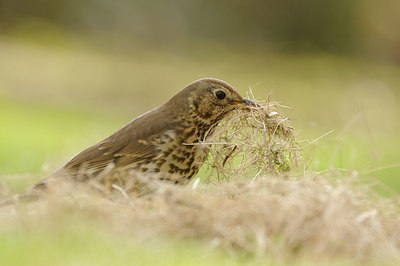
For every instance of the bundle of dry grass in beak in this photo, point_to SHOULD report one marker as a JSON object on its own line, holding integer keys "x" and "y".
{"x": 255, "y": 142}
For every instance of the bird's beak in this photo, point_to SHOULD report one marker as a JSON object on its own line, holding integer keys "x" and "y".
{"x": 248, "y": 102}
{"x": 244, "y": 103}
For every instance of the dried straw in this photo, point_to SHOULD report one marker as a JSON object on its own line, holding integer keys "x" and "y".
{"x": 255, "y": 142}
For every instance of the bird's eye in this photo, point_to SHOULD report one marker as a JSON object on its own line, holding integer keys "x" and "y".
{"x": 220, "y": 95}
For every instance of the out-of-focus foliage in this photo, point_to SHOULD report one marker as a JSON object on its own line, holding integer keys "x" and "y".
{"x": 366, "y": 28}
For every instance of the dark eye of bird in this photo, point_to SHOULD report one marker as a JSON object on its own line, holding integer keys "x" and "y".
{"x": 220, "y": 95}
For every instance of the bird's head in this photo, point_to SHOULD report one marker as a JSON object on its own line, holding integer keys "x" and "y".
{"x": 211, "y": 99}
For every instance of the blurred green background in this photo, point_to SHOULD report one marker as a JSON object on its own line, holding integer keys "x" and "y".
{"x": 72, "y": 72}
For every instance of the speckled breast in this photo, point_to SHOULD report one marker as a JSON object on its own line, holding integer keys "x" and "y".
{"x": 180, "y": 156}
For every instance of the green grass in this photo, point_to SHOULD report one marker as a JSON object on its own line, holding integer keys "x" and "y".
{"x": 85, "y": 245}
{"x": 82, "y": 245}
{"x": 32, "y": 134}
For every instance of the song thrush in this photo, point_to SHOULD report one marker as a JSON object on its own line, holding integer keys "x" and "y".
{"x": 166, "y": 139}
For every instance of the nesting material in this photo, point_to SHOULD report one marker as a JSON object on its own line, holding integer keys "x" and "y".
{"x": 254, "y": 142}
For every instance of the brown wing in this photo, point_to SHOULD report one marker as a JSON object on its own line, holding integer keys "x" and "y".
{"x": 122, "y": 148}
{"x": 130, "y": 144}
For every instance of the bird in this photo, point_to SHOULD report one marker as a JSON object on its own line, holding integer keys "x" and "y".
{"x": 164, "y": 140}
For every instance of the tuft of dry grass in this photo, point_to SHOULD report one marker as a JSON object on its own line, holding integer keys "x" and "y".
{"x": 255, "y": 142}
{"x": 283, "y": 218}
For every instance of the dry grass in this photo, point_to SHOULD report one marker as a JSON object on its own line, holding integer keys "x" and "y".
{"x": 261, "y": 210}
{"x": 283, "y": 218}
{"x": 254, "y": 143}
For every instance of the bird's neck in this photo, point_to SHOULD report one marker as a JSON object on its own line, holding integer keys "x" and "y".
{"x": 204, "y": 130}
{"x": 196, "y": 130}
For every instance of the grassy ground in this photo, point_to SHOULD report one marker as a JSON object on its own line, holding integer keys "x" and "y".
{"x": 55, "y": 101}
{"x": 83, "y": 245}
